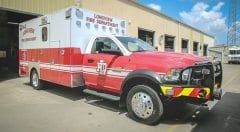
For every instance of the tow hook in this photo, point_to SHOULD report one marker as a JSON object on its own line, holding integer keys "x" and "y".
{"x": 217, "y": 94}
{"x": 202, "y": 93}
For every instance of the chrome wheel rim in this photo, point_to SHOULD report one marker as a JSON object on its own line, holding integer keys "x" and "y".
{"x": 35, "y": 79}
{"x": 142, "y": 105}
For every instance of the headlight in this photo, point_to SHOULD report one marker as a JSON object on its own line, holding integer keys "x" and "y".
{"x": 185, "y": 75}
{"x": 172, "y": 75}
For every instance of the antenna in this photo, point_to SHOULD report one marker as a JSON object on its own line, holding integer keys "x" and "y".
{"x": 233, "y": 36}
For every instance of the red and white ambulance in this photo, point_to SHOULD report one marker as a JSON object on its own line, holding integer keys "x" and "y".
{"x": 79, "y": 48}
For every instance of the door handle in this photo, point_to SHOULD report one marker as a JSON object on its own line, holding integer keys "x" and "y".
{"x": 90, "y": 60}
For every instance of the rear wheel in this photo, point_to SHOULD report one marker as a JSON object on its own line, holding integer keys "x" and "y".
{"x": 144, "y": 104}
{"x": 35, "y": 82}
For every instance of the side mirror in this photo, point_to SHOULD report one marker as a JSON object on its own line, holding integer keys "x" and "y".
{"x": 111, "y": 51}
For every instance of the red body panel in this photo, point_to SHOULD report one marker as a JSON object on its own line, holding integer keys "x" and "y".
{"x": 66, "y": 66}
{"x": 109, "y": 82}
{"x": 161, "y": 61}
{"x": 54, "y": 63}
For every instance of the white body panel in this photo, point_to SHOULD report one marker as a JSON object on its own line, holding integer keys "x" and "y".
{"x": 54, "y": 44}
{"x": 234, "y": 54}
{"x": 73, "y": 31}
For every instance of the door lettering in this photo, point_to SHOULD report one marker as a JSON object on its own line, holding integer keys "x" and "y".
{"x": 101, "y": 67}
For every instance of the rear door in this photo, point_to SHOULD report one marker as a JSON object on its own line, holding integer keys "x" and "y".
{"x": 105, "y": 71}
{"x": 45, "y": 58}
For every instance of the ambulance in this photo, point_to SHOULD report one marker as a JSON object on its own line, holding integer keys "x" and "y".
{"x": 234, "y": 54}
{"x": 75, "y": 47}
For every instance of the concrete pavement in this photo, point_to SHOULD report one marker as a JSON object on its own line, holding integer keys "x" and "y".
{"x": 62, "y": 109}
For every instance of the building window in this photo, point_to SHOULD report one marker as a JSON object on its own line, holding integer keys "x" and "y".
{"x": 44, "y": 34}
{"x": 169, "y": 43}
{"x": 184, "y": 46}
{"x": 146, "y": 36}
{"x": 195, "y": 48}
{"x": 205, "y": 48}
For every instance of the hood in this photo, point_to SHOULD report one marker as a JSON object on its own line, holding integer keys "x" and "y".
{"x": 163, "y": 61}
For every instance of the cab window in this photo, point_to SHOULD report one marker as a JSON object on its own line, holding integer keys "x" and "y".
{"x": 103, "y": 43}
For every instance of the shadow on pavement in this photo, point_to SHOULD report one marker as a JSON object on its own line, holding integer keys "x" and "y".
{"x": 73, "y": 94}
{"x": 223, "y": 117}
{"x": 76, "y": 94}
{"x": 105, "y": 104}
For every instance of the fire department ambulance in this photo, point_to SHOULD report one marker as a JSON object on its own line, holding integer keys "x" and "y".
{"x": 79, "y": 48}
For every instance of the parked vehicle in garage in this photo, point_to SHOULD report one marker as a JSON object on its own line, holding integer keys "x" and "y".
{"x": 75, "y": 47}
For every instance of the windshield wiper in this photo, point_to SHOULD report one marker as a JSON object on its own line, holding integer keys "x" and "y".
{"x": 141, "y": 50}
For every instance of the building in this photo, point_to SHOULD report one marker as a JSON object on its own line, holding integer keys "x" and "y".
{"x": 159, "y": 30}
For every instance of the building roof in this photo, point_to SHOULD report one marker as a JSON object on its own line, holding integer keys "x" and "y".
{"x": 168, "y": 17}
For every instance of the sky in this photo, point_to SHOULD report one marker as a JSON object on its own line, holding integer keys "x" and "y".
{"x": 209, "y": 16}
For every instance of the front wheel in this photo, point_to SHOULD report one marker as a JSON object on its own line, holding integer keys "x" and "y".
{"x": 35, "y": 82}
{"x": 144, "y": 104}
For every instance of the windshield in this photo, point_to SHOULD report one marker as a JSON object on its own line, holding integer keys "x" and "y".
{"x": 134, "y": 44}
{"x": 232, "y": 52}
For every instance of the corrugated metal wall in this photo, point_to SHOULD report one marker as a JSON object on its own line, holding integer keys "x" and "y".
{"x": 36, "y": 6}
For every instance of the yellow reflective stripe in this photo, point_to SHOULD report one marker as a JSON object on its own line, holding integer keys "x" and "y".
{"x": 165, "y": 88}
{"x": 186, "y": 92}
{"x": 207, "y": 90}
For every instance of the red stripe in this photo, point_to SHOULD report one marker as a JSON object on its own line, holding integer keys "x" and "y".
{"x": 58, "y": 77}
{"x": 66, "y": 56}
{"x": 195, "y": 92}
{"x": 177, "y": 91}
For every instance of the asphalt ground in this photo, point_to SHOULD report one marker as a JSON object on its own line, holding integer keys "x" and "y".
{"x": 23, "y": 109}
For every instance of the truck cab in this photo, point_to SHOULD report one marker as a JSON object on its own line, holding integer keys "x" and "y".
{"x": 145, "y": 79}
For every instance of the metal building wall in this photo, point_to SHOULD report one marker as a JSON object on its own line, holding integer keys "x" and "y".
{"x": 138, "y": 16}
{"x": 36, "y": 6}
{"x": 135, "y": 15}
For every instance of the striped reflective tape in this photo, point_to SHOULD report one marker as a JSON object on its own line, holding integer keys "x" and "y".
{"x": 183, "y": 91}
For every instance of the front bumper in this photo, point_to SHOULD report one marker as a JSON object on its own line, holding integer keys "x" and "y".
{"x": 198, "y": 86}
{"x": 192, "y": 92}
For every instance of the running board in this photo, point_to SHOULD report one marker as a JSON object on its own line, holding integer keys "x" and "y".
{"x": 102, "y": 95}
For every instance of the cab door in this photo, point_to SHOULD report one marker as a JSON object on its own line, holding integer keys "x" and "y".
{"x": 104, "y": 66}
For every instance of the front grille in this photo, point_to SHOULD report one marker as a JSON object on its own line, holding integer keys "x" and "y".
{"x": 203, "y": 74}
{"x": 198, "y": 77}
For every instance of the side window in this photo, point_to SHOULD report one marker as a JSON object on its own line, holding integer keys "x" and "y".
{"x": 103, "y": 43}
{"x": 44, "y": 34}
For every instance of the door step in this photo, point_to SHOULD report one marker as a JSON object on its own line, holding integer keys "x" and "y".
{"x": 102, "y": 95}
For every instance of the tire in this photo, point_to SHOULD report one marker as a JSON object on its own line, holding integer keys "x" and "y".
{"x": 35, "y": 82}
{"x": 144, "y": 105}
